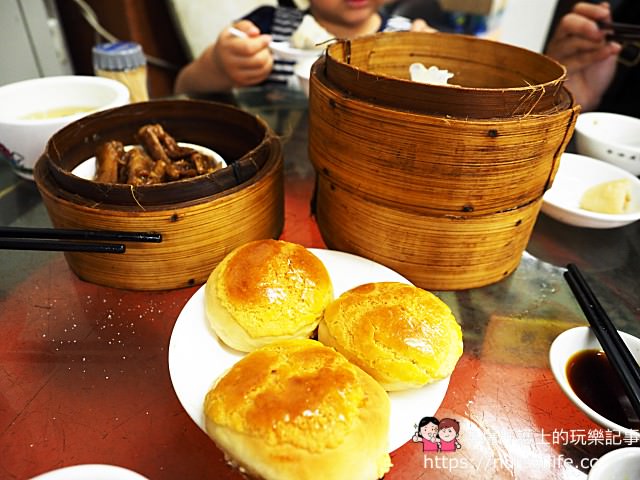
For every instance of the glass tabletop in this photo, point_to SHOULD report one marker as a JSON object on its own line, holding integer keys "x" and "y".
{"x": 84, "y": 371}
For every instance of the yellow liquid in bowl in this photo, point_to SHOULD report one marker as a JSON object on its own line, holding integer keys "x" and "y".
{"x": 56, "y": 113}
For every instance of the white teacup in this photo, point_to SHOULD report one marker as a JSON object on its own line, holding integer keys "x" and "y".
{"x": 33, "y": 110}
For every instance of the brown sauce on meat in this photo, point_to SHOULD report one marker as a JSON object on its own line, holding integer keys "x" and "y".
{"x": 596, "y": 383}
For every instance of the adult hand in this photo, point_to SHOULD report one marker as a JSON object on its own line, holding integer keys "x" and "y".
{"x": 580, "y": 45}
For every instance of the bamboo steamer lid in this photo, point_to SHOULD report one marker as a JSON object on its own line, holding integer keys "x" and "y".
{"x": 492, "y": 79}
{"x": 200, "y": 227}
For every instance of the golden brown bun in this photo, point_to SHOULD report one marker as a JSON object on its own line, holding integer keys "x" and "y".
{"x": 266, "y": 290}
{"x": 298, "y": 410}
{"x": 403, "y": 336}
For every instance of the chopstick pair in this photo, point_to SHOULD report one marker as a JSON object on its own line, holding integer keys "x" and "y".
{"x": 63, "y": 240}
{"x": 620, "y": 32}
{"x": 614, "y": 347}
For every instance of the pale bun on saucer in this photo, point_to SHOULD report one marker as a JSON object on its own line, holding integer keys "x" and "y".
{"x": 266, "y": 290}
{"x": 402, "y": 335}
{"x": 298, "y": 410}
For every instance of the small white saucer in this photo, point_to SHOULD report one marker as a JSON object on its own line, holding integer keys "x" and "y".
{"x": 575, "y": 175}
{"x": 573, "y": 341}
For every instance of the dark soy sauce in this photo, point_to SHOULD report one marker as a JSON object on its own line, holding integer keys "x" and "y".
{"x": 596, "y": 383}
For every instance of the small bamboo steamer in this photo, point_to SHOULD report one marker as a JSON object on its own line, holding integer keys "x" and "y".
{"x": 197, "y": 232}
{"x": 491, "y": 79}
{"x": 434, "y": 252}
{"x": 492, "y": 165}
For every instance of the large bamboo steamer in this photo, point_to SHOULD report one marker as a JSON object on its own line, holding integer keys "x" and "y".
{"x": 447, "y": 201}
{"x": 208, "y": 221}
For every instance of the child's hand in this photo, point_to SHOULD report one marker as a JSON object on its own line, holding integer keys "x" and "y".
{"x": 245, "y": 61}
{"x": 416, "y": 438}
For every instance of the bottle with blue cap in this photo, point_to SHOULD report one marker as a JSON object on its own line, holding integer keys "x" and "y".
{"x": 125, "y": 62}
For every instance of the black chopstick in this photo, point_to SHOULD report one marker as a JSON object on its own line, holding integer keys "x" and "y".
{"x": 620, "y": 32}
{"x": 60, "y": 246}
{"x": 69, "y": 234}
{"x": 619, "y": 27}
{"x": 614, "y": 347}
{"x": 69, "y": 240}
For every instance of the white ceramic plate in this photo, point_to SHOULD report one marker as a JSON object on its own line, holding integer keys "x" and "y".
{"x": 87, "y": 169}
{"x": 90, "y": 472}
{"x": 284, "y": 51}
{"x": 575, "y": 175}
{"x": 197, "y": 357}
{"x": 564, "y": 347}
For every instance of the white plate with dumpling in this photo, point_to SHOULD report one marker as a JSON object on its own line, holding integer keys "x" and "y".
{"x": 576, "y": 175}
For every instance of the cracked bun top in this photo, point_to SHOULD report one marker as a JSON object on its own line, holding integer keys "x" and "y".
{"x": 297, "y": 408}
{"x": 267, "y": 290}
{"x": 402, "y": 335}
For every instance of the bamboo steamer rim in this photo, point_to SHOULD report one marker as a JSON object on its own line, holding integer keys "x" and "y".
{"x": 48, "y": 184}
{"x": 319, "y": 77}
{"x": 357, "y": 80}
{"x": 86, "y": 133}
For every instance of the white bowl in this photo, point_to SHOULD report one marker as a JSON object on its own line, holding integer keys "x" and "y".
{"x": 576, "y": 174}
{"x": 571, "y": 342}
{"x": 25, "y": 137}
{"x": 611, "y": 137}
{"x": 302, "y": 71}
{"x": 623, "y": 463}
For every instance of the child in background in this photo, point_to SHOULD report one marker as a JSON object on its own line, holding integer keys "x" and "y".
{"x": 238, "y": 62}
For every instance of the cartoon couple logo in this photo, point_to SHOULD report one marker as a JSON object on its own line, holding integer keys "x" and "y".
{"x": 438, "y": 435}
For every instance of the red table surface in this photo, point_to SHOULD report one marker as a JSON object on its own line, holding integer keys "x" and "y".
{"x": 84, "y": 378}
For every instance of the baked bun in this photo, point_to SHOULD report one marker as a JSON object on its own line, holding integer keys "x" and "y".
{"x": 298, "y": 410}
{"x": 402, "y": 335}
{"x": 266, "y": 290}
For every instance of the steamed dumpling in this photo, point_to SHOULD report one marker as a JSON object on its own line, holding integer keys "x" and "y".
{"x": 608, "y": 197}
{"x": 310, "y": 35}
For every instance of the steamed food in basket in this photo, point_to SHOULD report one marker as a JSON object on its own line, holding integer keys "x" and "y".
{"x": 158, "y": 159}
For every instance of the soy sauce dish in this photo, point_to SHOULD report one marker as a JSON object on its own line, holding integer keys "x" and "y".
{"x": 586, "y": 377}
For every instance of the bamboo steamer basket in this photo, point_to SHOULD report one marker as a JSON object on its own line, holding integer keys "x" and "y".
{"x": 200, "y": 219}
{"x": 447, "y": 201}
{"x": 434, "y": 252}
{"x": 492, "y": 79}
